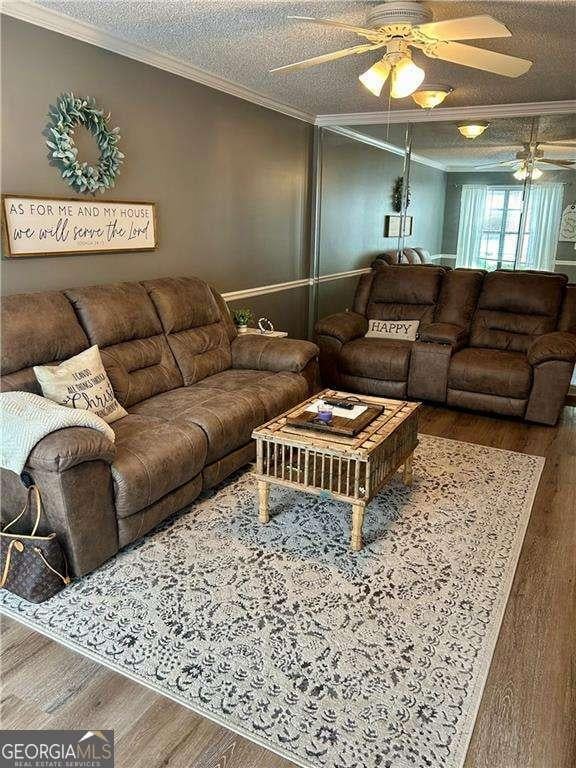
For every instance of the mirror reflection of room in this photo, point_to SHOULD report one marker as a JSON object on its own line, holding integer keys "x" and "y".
{"x": 506, "y": 192}
{"x": 499, "y": 200}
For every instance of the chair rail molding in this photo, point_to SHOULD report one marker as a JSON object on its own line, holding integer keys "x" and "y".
{"x": 26, "y": 10}
{"x": 261, "y": 290}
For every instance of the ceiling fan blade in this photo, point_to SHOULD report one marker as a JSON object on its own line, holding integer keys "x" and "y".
{"x": 329, "y": 57}
{"x": 469, "y": 28}
{"x": 561, "y": 163}
{"x": 371, "y": 34}
{"x": 478, "y": 58}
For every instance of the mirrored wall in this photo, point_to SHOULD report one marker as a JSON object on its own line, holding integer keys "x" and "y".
{"x": 504, "y": 199}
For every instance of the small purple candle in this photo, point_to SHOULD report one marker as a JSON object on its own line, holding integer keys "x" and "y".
{"x": 324, "y": 413}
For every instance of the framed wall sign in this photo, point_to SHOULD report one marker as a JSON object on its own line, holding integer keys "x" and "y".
{"x": 392, "y": 224}
{"x": 48, "y": 226}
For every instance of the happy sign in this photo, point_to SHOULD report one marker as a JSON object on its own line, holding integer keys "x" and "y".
{"x": 35, "y": 226}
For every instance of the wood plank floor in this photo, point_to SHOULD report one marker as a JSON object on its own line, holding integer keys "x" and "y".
{"x": 528, "y": 711}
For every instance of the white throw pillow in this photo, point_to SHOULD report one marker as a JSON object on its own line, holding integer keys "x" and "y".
{"x": 81, "y": 382}
{"x": 401, "y": 330}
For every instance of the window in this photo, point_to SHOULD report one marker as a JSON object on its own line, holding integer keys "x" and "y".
{"x": 500, "y": 228}
{"x": 489, "y": 226}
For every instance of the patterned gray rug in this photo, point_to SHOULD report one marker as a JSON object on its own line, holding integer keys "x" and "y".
{"x": 369, "y": 660}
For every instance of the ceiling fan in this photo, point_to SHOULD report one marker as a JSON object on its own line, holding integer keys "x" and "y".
{"x": 531, "y": 156}
{"x": 399, "y": 25}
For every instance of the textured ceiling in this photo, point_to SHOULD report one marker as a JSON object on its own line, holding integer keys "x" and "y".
{"x": 443, "y": 143}
{"x": 241, "y": 41}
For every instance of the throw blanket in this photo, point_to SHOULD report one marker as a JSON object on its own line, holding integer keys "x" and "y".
{"x": 27, "y": 418}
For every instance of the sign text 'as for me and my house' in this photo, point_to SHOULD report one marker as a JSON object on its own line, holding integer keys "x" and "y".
{"x": 36, "y": 226}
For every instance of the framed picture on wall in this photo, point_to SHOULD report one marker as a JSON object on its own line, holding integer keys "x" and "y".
{"x": 48, "y": 226}
{"x": 393, "y": 223}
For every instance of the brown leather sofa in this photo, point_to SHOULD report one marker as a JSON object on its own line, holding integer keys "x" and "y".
{"x": 502, "y": 342}
{"x": 194, "y": 391}
{"x": 405, "y": 256}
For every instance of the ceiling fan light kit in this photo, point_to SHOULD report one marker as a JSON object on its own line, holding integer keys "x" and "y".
{"x": 473, "y": 130}
{"x": 397, "y": 25}
{"x": 524, "y": 171}
{"x": 405, "y": 75}
{"x": 530, "y": 156}
{"x": 431, "y": 95}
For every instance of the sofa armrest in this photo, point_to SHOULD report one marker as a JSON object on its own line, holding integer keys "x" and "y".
{"x": 68, "y": 447}
{"x": 262, "y": 353}
{"x": 344, "y": 326}
{"x": 444, "y": 333}
{"x": 559, "y": 345}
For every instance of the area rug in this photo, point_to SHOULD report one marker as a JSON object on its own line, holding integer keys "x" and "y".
{"x": 330, "y": 658}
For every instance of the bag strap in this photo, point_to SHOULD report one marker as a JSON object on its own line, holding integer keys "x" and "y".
{"x": 65, "y": 578}
{"x": 13, "y": 545}
{"x": 32, "y": 491}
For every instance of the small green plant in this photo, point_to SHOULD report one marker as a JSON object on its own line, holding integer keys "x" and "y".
{"x": 242, "y": 316}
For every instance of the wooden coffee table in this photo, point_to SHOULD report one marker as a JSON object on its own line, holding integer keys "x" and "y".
{"x": 351, "y": 469}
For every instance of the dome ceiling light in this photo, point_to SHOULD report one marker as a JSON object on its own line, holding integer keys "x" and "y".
{"x": 473, "y": 129}
{"x": 431, "y": 95}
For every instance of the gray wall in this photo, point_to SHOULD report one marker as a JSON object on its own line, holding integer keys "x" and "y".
{"x": 230, "y": 179}
{"x": 357, "y": 181}
{"x": 564, "y": 252}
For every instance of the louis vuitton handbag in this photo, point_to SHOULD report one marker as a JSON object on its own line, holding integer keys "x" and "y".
{"x": 31, "y": 566}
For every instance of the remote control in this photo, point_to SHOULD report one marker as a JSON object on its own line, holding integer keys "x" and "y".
{"x": 335, "y": 403}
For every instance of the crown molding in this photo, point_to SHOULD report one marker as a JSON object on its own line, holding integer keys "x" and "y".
{"x": 28, "y": 11}
{"x": 24, "y": 10}
{"x": 487, "y": 111}
{"x": 364, "y": 138}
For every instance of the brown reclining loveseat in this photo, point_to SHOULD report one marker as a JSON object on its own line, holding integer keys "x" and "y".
{"x": 501, "y": 342}
{"x": 194, "y": 391}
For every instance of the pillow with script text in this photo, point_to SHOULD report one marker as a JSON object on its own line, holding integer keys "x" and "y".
{"x": 81, "y": 382}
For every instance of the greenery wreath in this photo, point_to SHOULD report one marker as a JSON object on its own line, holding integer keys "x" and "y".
{"x": 69, "y": 112}
{"x": 397, "y": 191}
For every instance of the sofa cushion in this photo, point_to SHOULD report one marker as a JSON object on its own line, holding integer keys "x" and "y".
{"x": 227, "y": 406}
{"x": 197, "y": 325}
{"x": 491, "y": 372}
{"x": 122, "y": 320}
{"x": 459, "y": 296}
{"x": 226, "y": 418}
{"x": 405, "y": 293}
{"x": 276, "y": 391}
{"x": 516, "y": 307}
{"x": 37, "y": 328}
{"x": 153, "y": 457}
{"x": 376, "y": 359}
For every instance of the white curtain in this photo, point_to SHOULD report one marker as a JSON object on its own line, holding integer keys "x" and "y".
{"x": 542, "y": 225}
{"x": 472, "y": 208}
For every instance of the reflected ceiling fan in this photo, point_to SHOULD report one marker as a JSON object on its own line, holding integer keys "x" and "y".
{"x": 531, "y": 156}
{"x": 399, "y": 25}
